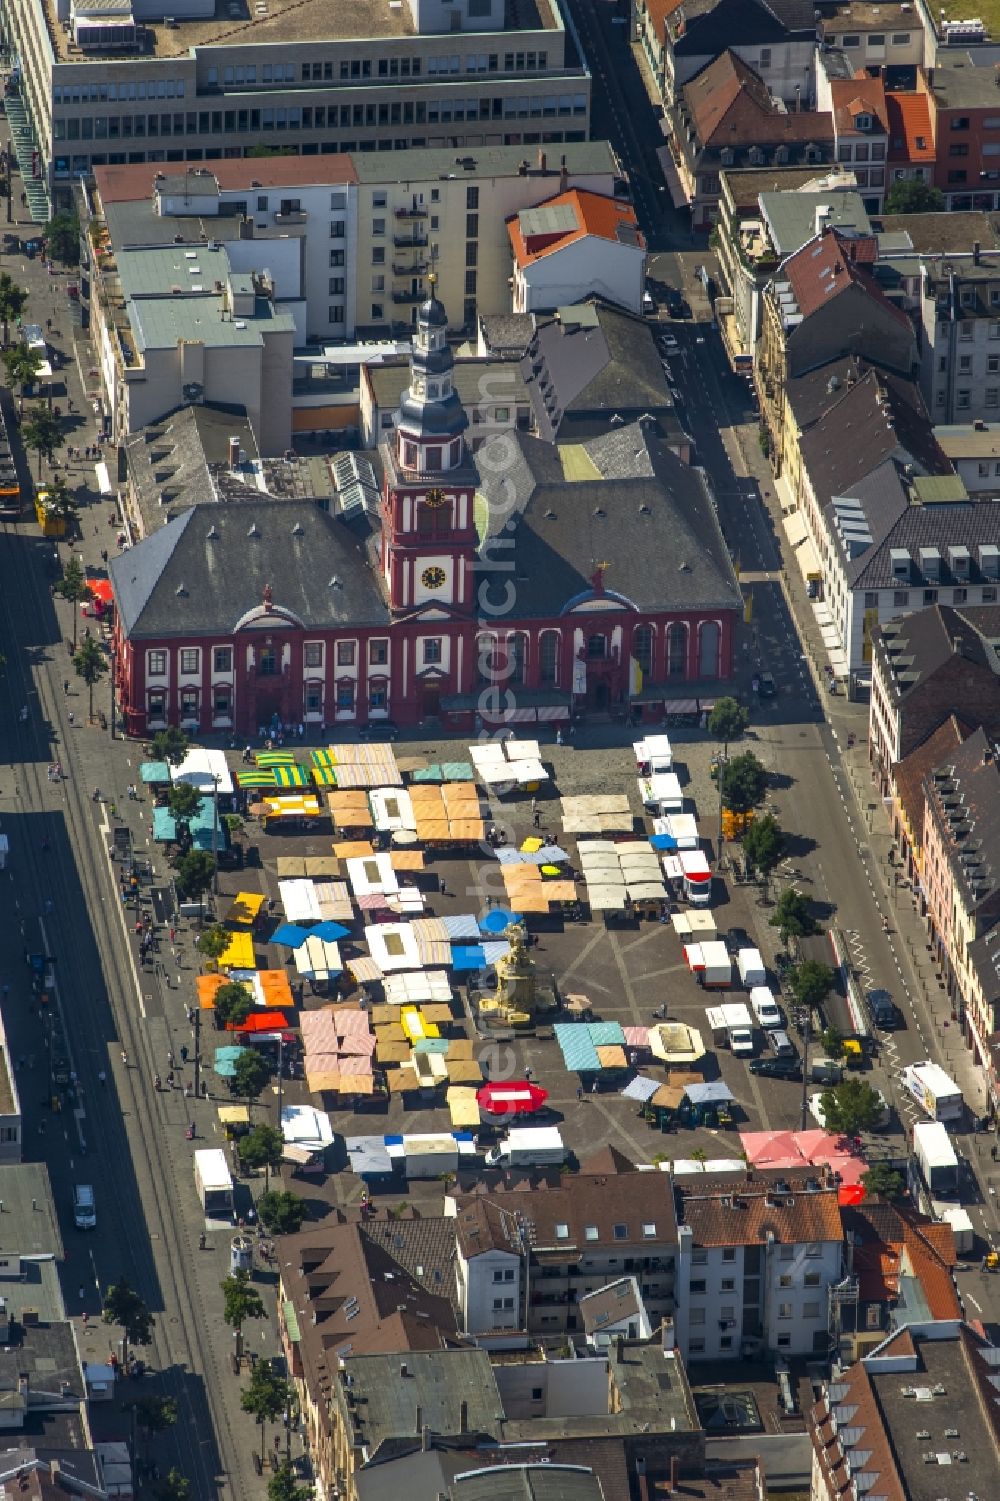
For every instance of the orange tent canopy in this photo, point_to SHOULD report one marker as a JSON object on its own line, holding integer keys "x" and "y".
{"x": 207, "y": 987}
{"x": 261, "y": 1021}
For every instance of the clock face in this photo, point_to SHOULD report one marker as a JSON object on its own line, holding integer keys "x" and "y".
{"x": 434, "y": 498}
{"x": 433, "y": 578}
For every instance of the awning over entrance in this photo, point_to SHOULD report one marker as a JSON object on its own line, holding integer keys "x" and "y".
{"x": 675, "y": 187}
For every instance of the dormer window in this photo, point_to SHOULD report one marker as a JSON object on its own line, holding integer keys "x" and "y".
{"x": 862, "y": 122}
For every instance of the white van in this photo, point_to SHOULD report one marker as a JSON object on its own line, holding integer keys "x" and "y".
{"x": 765, "y": 1007}
{"x": 84, "y": 1207}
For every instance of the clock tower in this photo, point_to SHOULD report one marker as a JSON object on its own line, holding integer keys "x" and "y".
{"x": 428, "y": 523}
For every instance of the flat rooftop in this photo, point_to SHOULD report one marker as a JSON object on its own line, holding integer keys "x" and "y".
{"x": 28, "y": 1224}
{"x": 963, "y": 80}
{"x": 945, "y": 1408}
{"x": 235, "y": 23}
{"x": 862, "y": 15}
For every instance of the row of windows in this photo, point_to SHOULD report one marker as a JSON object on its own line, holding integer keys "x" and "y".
{"x": 901, "y": 598}
{"x": 99, "y": 93}
{"x": 359, "y": 68}
{"x": 189, "y": 702}
{"x": 313, "y": 655}
{"x": 861, "y": 151}
{"x": 874, "y": 39}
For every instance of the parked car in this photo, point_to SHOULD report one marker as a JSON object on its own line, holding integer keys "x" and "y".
{"x": 738, "y": 938}
{"x": 670, "y": 344}
{"x": 780, "y": 1043}
{"x": 777, "y": 1068}
{"x": 767, "y": 686}
{"x": 882, "y": 1010}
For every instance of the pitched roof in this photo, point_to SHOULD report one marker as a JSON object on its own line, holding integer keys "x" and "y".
{"x": 608, "y": 1306}
{"x": 931, "y": 637}
{"x": 910, "y": 772}
{"x": 481, "y": 1225}
{"x": 591, "y": 1210}
{"x": 972, "y": 774}
{"x": 830, "y": 263}
{"x": 730, "y": 105}
{"x": 711, "y": 25}
{"x": 209, "y": 568}
{"x": 550, "y": 226}
{"x": 911, "y": 135}
{"x": 566, "y": 528}
{"x": 966, "y": 523}
{"x": 745, "y": 1219}
{"x": 895, "y": 1239}
{"x": 858, "y": 96}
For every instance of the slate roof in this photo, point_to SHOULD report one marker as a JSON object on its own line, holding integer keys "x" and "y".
{"x": 909, "y": 773}
{"x": 657, "y": 531}
{"x": 928, "y": 637}
{"x": 183, "y": 459}
{"x": 972, "y": 772}
{"x": 730, "y": 106}
{"x": 204, "y": 571}
{"x": 744, "y": 1219}
{"x": 874, "y": 420}
{"x": 965, "y": 523}
{"x": 543, "y": 1482}
{"x": 715, "y": 24}
{"x": 507, "y": 335}
{"x": 594, "y": 360}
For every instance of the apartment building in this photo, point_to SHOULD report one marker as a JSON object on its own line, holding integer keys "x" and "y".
{"x": 960, "y": 318}
{"x": 878, "y": 34}
{"x": 574, "y": 246}
{"x": 860, "y": 132}
{"x": 776, "y": 39}
{"x": 966, "y": 107}
{"x": 960, "y": 881}
{"x": 754, "y": 1268}
{"x": 349, "y": 240}
{"x": 200, "y": 81}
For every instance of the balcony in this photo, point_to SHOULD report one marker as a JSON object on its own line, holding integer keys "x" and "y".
{"x": 414, "y": 212}
{"x": 409, "y": 296}
{"x": 291, "y": 216}
{"x": 415, "y": 239}
{"x": 416, "y": 268}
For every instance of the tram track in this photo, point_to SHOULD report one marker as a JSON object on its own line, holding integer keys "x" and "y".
{"x": 155, "y": 1243}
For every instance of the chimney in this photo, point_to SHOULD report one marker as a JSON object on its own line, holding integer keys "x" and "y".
{"x": 419, "y": 1423}
{"x": 975, "y": 252}
{"x": 403, "y": 1371}
{"x": 542, "y": 160}
{"x": 463, "y": 1416}
{"x": 234, "y": 453}
{"x": 563, "y": 175}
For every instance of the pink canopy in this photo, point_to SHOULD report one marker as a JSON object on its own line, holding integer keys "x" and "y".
{"x": 514, "y": 1098}
{"x": 797, "y": 1149}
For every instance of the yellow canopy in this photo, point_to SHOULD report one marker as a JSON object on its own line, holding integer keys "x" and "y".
{"x": 234, "y": 1115}
{"x": 244, "y": 909}
{"x": 463, "y": 1105}
{"x": 239, "y": 952}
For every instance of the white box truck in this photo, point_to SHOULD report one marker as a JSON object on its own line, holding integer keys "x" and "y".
{"x": 696, "y": 877}
{"x": 214, "y": 1182}
{"x": 765, "y": 1007}
{"x": 661, "y": 793}
{"x": 751, "y": 968}
{"x": 934, "y": 1091}
{"x": 428, "y": 1156}
{"x": 961, "y": 1225}
{"x": 935, "y": 1158}
{"x": 731, "y": 1027}
{"x": 529, "y": 1146}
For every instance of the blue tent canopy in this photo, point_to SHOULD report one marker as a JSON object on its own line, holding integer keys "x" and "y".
{"x": 498, "y": 920}
{"x": 290, "y": 935}
{"x": 466, "y": 957}
{"x": 713, "y": 1092}
{"x": 330, "y": 931}
{"x": 663, "y": 842}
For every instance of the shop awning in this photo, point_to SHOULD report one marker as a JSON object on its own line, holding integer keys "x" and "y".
{"x": 678, "y": 197}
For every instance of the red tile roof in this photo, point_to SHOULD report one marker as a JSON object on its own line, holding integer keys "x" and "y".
{"x": 827, "y": 266}
{"x": 730, "y": 105}
{"x": 911, "y": 138}
{"x": 126, "y": 184}
{"x": 858, "y": 96}
{"x": 658, "y": 11}
{"x": 595, "y": 215}
{"x": 744, "y": 1219}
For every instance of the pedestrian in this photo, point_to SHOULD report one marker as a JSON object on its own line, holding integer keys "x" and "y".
{"x": 81, "y": 1293}
{"x": 86, "y": 1317}
{"x": 593, "y": 1087}
{"x": 70, "y": 717}
{"x": 170, "y": 1079}
{"x": 66, "y": 685}
{"x": 527, "y": 1073}
{"x": 536, "y": 819}
{"x": 184, "y": 1054}
{"x": 170, "y": 1057}
{"x": 173, "y": 935}
{"x": 993, "y": 1152}
{"x": 579, "y": 1091}
{"x": 104, "y": 556}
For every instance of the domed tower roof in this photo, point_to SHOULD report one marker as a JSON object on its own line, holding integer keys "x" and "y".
{"x": 432, "y": 311}
{"x": 430, "y": 407}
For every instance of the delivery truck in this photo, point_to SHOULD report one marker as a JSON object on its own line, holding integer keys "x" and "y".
{"x": 934, "y": 1091}
{"x": 529, "y": 1146}
{"x": 731, "y": 1028}
{"x": 696, "y": 877}
{"x": 751, "y": 968}
{"x": 214, "y": 1182}
{"x": 961, "y": 1225}
{"x": 711, "y": 963}
{"x": 935, "y": 1158}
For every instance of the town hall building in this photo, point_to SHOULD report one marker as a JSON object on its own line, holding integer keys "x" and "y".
{"x": 526, "y": 583}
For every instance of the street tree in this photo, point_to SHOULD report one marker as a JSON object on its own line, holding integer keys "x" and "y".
{"x": 882, "y": 1182}
{"x": 267, "y": 1397}
{"x": 281, "y": 1212}
{"x": 175, "y": 1487}
{"x": 764, "y": 845}
{"x": 728, "y": 721}
{"x": 283, "y": 1485}
{"x": 193, "y": 874}
{"x": 90, "y": 664}
{"x": 22, "y": 365}
{"x": 183, "y": 801}
{"x": 73, "y": 587}
{"x": 832, "y": 1042}
{"x": 241, "y": 1301}
{"x": 124, "y": 1307}
{"x": 213, "y": 943}
{"x": 851, "y": 1107}
{"x": 170, "y": 745}
{"x": 792, "y": 916}
{"x": 742, "y": 782}
{"x": 155, "y": 1415}
{"x": 262, "y": 1147}
{"x": 42, "y": 432}
{"x": 810, "y": 982}
{"x": 252, "y": 1073}
{"x": 62, "y": 238}
{"x": 61, "y": 501}
{"x": 233, "y": 1004}
{"x": 914, "y": 197}
{"x": 13, "y": 300}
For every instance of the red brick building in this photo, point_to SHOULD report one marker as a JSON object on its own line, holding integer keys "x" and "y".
{"x": 517, "y": 587}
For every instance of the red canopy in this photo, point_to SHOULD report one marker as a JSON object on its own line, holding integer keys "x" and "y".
{"x": 261, "y": 1021}
{"x": 518, "y": 1097}
{"x": 101, "y": 589}
{"x": 850, "y": 1193}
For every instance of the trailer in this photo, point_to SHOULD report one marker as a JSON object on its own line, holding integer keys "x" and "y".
{"x": 214, "y": 1182}
{"x": 710, "y": 962}
{"x": 935, "y": 1157}
{"x": 934, "y": 1091}
{"x": 529, "y": 1146}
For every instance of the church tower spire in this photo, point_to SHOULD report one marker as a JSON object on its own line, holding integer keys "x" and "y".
{"x": 430, "y": 423}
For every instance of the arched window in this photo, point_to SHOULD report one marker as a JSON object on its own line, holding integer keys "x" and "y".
{"x": 677, "y": 638}
{"x": 486, "y": 657}
{"x": 708, "y": 649}
{"x": 642, "y": 648}
{"x": 517, "y": 654}
{"x": 548, "y": 657}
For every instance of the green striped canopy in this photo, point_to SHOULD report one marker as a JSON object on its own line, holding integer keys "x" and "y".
{"x": 291, "y": 776}
{"x": 275, "y": 758}
{"x": 324, "y": 776}
{"x": 323, "y": 758}
{"x": 255, "y": 779}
